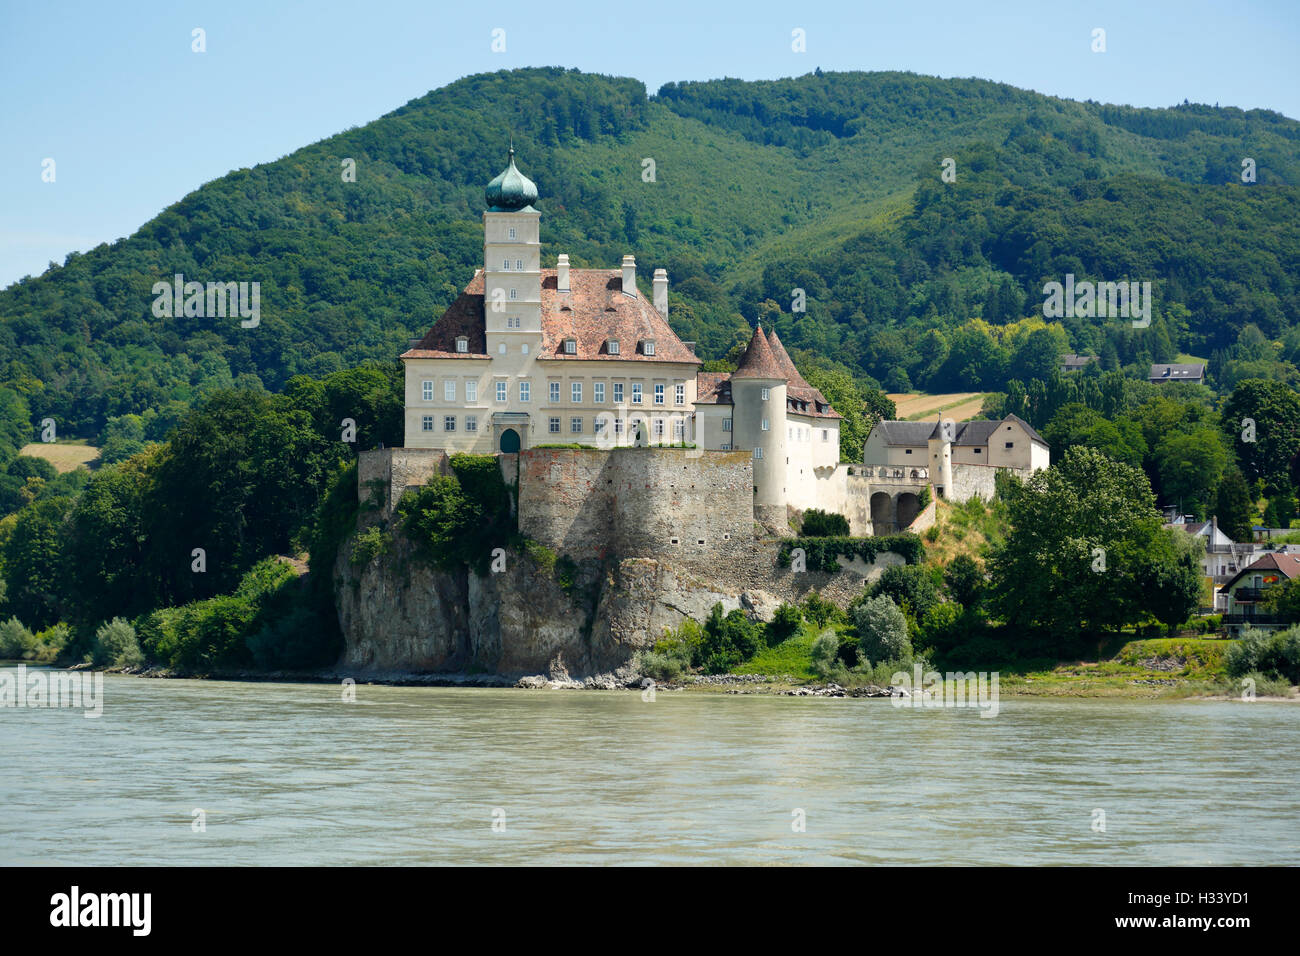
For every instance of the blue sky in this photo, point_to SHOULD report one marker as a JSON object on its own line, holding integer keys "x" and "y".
{"x": 134, "y": 119}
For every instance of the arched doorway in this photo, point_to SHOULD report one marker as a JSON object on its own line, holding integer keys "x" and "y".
{"x": 909, "y": 506}
{"x": 509, "y": 441}
{"x": 882, "y": 513}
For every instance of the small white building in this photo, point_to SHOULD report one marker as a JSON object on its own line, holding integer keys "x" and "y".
{"x": 958, "y": 459}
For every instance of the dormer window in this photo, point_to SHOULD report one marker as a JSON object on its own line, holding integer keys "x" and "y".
{"x": 570, "y": 346}
{"x": 612, "y": 346}
{"x": 462, "y": 344}
{"x": 648, "y": 347}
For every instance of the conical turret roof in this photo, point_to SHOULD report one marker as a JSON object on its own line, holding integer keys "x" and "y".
{"x": 784, "y": 362}
{"x": 758, "y": 360}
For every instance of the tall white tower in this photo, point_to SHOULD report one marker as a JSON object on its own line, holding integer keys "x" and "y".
{"x": 758, "y": 388}
{"x": 512, "y": 263}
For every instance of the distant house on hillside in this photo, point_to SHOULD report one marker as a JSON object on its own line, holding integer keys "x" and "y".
{"x": 1178, "y": 373}
{"x": 1247, "y": 589}
{"x": 1222, "y": 558}
{"x": 1074, "y": 363}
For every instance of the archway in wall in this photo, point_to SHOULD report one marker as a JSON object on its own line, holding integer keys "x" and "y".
{"x": 909, "y": 506}
{"x": 882, "y": 513}
{"x": 509, "y": 441}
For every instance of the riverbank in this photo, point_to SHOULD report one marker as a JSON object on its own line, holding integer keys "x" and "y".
{"x": 1078, "y": 680}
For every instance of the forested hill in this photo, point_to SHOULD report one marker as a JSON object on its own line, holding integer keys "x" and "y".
{"x": 828, "y": 183}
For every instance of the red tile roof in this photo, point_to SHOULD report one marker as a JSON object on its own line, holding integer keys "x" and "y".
{"x": 714, "y": 388}
{"x": 758, "y": 360}
{"x": 1286, "y": 564}
{"x": 592, "y": 312}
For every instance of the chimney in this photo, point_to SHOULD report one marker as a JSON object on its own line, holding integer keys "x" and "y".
{"x": 661, "y": 292}
{"x": 629, "y": 275}
{"x": 562, "y": 272}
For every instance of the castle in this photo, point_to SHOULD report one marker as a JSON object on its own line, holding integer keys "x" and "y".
{"x": 528, "y": 357}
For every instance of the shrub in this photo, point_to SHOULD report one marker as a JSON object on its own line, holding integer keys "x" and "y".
{"x": 370, "y": 544}
{"x": 1266, "y": 685}
{"x": 822, "y": 553}
{"x": 882, "y": 630}
{"x": 824, "y": 524}
{"x": 819, "y": 612}
{"x": 912, "y": 586}
{"x": 50, "y": 643}
{"x": 785, "y": 622}
{"x": 116, "y": 645}
{"x": 15, "y": 640}
{"x": 727, "y": 641}
{"x": 825, "y": 653}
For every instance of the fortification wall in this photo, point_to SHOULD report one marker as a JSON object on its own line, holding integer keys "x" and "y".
{"x": 971, "y": 480}
{"x": 638, "y": 502}
{"x": 398, "y": 469}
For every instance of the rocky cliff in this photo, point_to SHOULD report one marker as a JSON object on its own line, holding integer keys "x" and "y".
{"x": 401, "y": 616}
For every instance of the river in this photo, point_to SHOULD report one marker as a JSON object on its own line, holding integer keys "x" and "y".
{"x": 292, "y": 774}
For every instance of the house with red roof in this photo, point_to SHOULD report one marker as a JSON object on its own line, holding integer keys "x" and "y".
{"x": 1247, "y": 590}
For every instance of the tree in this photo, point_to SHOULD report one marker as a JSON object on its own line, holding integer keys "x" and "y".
{"x": 1076, "y": 558}
{"x": 1234, "y": 507}
{"x": 882, "y": 630}
{"x": 1191, "y": 466}
{"x": 911, "y": 586}
{"x": 964, "y": 580}
{"x": 33, "y": 562}
{"x": 1262, "y": 419}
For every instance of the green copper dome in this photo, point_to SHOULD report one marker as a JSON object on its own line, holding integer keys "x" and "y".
{"x": 511, "y": 191}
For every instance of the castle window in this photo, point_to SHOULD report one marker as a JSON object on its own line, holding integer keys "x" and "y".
{"x": 672, "y": 540}
{"x": 599, "y": 427}
{"x": 575, "y": 392}
{"x": 554, "y": 422}
{"x": 659, "y": 394}
{"x": 659, "y": 428}
{"x": 505, "y": 264}
{"x": 680, "y": 394}
{"x": 636, "y": 393}
{"x": 471, "y": 423}
{"x": 471, "y": 391}
{"x": 758, "y": 452}
{"x": 519, "y": 265}
{"x": 512, "y": 232}
{"x": 598, "y": 390}
{"x": 449, "y": 423}
{"x": 514, "y": 293}
{"x": 726, "y": 446}
{"x": 524, "y": 348}
{"x": 570, "y": 346}
{"x": 426, "y": 390}
{"x": 501, "y": 349}
{"x": 618, "y": 393}
{"x": 501, "y": 391}
{"x": 765, "y": 425}
{"x": 612, "y": 346}
{"x": 618, "y": 426}
{"x": 1011, "y": 444}
{"x": 907, "y": 451}
{"x": 826, "y": 434}
{"x": 426, "y": 423}
{"x": 679, "y": 429}
{"x": 512, "y": 321}
{"x": 575, "y": 425}
{"x": 978, "y": 450}
{"x": 648, "y": 347}
{"x": 462, "y": 344}
{"x": 525, "y": 391}
{"x": 765, "y": 393}
{"x": 699, "y": 540}
{"x": 555, "y": 393}
{"x": 449, "y": 390}
{"x": 726, "y": 424}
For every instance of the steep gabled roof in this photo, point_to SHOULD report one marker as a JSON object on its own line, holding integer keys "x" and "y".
{"x": 1287, "y": 565}
{"x": 593, "y": 311}
{"x": 915, "y": 434}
